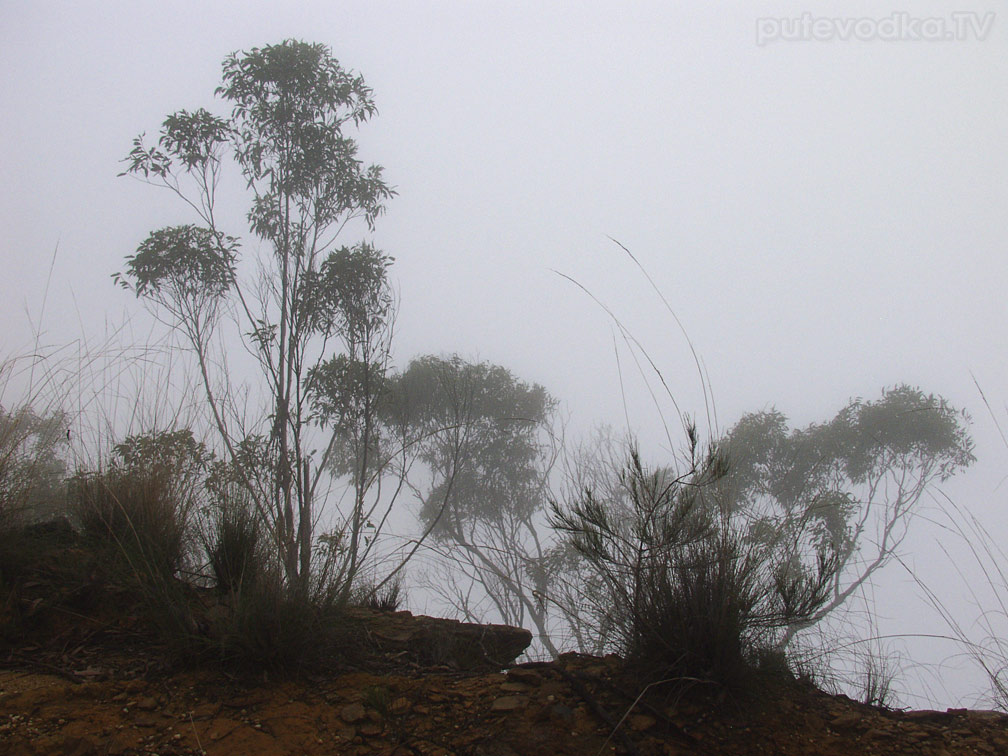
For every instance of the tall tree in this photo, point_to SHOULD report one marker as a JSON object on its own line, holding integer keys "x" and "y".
{"x": 851, "y": 484}
{"x": 314, "y": 302}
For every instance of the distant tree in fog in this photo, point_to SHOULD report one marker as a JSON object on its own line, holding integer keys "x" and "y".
{"x": 851, "y": 484}
{"x": 32, "y": 463}
{"x": 483, "y": 435}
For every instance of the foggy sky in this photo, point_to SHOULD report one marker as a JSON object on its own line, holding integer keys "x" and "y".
{"x": 825, "y": 217}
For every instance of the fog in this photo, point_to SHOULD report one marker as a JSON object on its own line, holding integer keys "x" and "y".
{"x": 822, "y": 210}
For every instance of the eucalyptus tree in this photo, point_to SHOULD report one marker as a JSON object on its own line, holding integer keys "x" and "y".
{"x": 483, "y": 436}
{"x": 316, "y": 306}
{"x": 850, "y": 485}
{"x": 831, "y": 503}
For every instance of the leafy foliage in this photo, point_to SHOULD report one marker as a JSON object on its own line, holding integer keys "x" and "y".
{"x": 190, "y": 262}
{"x": 348, "y": 294}
{"x": 494, "y": 419}
{"x": 849, "y": 484}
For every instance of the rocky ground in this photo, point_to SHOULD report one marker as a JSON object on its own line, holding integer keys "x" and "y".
{"x": 83, "y": 685}
{"x": 97, "y": 701}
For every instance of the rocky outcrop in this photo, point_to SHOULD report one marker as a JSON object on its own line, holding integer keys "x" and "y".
{"x": 427, "y": 641}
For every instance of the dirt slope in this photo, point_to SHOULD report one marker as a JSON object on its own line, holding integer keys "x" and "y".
{"x": 568, "y": 707}
{"x": 79, "y": 675}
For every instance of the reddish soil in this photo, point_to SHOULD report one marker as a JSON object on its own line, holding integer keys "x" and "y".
{"x": 573, "y": 706}
{"x": 80, "y": 684}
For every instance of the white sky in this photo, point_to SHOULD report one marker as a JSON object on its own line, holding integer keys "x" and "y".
{"x": 826, "y": 218}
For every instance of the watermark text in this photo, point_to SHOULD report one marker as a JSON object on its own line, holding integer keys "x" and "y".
{"x": 900, "y": 26}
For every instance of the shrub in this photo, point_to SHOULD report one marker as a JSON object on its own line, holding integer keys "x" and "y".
{"x": 680, "y": 587}
{"x": 267, "y": 624}
{"x": 234, "y": 550}
{"x": 387, "y": 598}
{"x": 136, "y": 516}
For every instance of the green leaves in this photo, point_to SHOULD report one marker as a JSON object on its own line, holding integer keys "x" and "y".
{"x": 905, "y": 424}
{"x": 846, "y": 486}
{"x": 348, "y": 294}
{"x": 280, "y": 85}
{"x": 289, "y": 104}
{"x": 905, "y": 429}
{"x": 194, "y": 138}
{"x": 173, "y": 452}
{"x": 146, "y": 161}
{"x": 479, "y": 428}
{"x": 339, "y": 386}
{"x": 191, "y": 262}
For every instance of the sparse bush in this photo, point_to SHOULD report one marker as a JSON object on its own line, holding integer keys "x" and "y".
{"x": 875, "y": 679}
{"x": 135, "y": 515}
{"x": 265, "y": 624}
{"x": 683, "y": 591}
{"x": 145, "y": 501}
{"x": 138, "y": 514}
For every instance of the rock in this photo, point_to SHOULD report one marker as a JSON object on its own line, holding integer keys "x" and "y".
{"x": 524, "y": 675}
{"x": 991, "y": 715}
{"x": 515, "y": 687}
{"x": 221, "y": 728}
{"x": 351, "y": 713}
{"x": 876, "y": 733}
{"x": 206, "y": 710}
{"x": 430, "y": 640}
{"x": 562, "y": 713}
{"x": 846, "y": 720}
{"x": 508, "y": 703}
{"x": 642, "y": 722}
{"x": 371, "y": 729}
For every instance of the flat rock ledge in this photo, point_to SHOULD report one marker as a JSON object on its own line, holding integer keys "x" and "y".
{"x": 433, "y": 641}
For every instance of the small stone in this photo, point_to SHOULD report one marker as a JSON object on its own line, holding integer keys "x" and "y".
{"x": 924, "y": 714}
{"x": 352, "y": 713}
{"x": 561, "y": 712}
{"x": 641, "y": 722}
{"x": 514, "y": 687}
{"x": 508, "y": 703}
{"x": 370, "y": 729}
{"x": 876, "y": 734}
{"x": 846, "y": 720}
{"x": 205, "y": 711}
{"x": 526, "y": 676}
